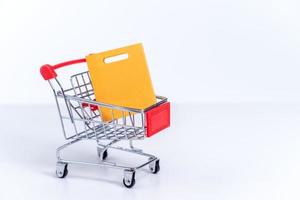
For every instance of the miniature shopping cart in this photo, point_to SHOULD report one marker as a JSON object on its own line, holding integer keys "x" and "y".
{"x": 79, "y": 112}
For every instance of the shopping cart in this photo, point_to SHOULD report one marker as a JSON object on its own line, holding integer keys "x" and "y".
{"x": 78, "y": 110}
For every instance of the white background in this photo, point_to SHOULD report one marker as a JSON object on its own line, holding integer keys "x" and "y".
{"x": 230, "y": 69}
{"x": 198, "y": 51}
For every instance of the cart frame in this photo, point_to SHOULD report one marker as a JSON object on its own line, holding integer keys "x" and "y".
{"x": 82, "y": 108}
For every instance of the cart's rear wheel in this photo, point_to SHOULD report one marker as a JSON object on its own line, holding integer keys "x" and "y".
{"x": 129, "y": 178}
{"x": 105, "y": 154}
{"x": 154, "y": 167}
{"x": 61, "y": 169}
{"x": 102, "y": 154}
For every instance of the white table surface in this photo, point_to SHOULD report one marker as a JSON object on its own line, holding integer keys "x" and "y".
{"x": 212, "y": 151}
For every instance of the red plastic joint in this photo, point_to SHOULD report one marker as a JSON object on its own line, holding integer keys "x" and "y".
{"x": 92, "y": 106}
{"x": 47, "y": 72}
{"x": 157, "y": 119}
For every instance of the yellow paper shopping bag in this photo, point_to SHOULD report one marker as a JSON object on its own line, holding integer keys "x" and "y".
{"x": 121, "y": 77}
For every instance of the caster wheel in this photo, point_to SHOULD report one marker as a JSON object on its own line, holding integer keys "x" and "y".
{"x": 129, "y": 185}
{"x": 61, "y": 170}
{"x": 129, "y": 179}
{"x": 102, "y": 154}
{"x": 154, "y": 167}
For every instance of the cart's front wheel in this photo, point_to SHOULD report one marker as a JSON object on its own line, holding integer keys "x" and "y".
{"x": 127, "y": 184}
{"x": 61, "y": 169}
{"x": 129, "y": 178}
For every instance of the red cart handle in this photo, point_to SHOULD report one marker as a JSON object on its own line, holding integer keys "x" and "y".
{"x": 48, "y": 71}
